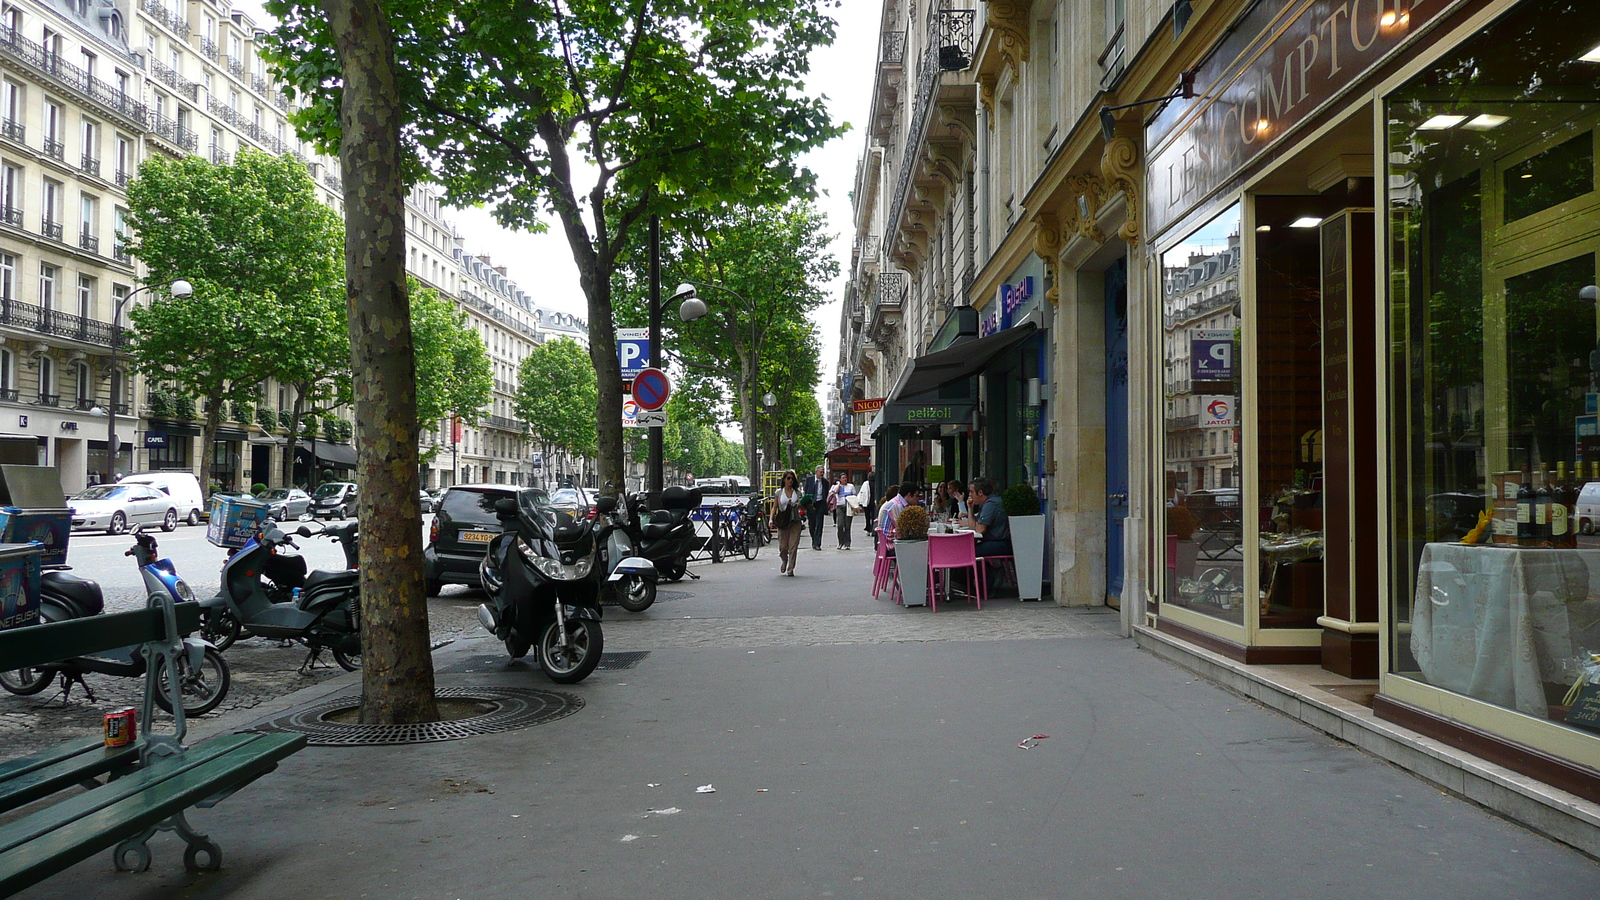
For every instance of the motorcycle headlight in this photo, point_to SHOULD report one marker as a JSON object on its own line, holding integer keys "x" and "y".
{"x": 185, "y": 593}
{"x": 554, "y": 568}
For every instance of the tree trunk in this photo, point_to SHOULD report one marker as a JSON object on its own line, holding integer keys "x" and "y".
{"x": 397, "y": 667}
{"x": 608, "y": 383}
{"x": 747, "y": 421}
{"x": 208, "y": 437}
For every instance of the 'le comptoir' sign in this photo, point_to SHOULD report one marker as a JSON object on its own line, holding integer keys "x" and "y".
{"x": 1278, "y": 64}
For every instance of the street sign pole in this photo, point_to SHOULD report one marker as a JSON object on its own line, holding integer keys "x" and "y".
{"x": 654, "y": 475}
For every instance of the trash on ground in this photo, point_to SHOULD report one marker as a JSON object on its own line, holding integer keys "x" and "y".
{"x": 669, "y": 811}
{"x": 705, "y": 789}
{"x": 629, "y": 837}
{"x": 1032, "y": 742}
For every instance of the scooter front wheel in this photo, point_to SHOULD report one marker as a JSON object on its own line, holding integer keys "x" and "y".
{"x": 571, "y": 662}
{"x": 220, "y": 628}
{"x": 350, "y": 662}
{"x": 202, "y": 689}
{"x": 635, "y": 593}
{"x": 25, "y": 682}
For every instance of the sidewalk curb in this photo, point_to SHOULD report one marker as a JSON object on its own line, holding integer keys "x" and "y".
{"x": 1552, "y": 812}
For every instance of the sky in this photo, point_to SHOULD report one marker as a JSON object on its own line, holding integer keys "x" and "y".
{"x": 843, "y": 73}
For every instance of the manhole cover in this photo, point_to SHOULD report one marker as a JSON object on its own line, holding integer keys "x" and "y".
{"x": 513, "y": 708}
{"x": 624, "y": 659}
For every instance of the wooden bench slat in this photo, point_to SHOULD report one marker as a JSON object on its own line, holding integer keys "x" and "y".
{"x": 36, "y": 645}
{"x": 53, "y": 839}
{"x": 60, "y": 771}
{"x": 25, "y": 764}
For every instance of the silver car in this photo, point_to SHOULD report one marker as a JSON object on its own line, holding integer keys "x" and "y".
{"x": 285, "y": 504}
{"x": 118, "y": 507}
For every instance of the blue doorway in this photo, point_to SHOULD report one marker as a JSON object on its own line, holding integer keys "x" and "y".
{"x": 1116, "y": 406}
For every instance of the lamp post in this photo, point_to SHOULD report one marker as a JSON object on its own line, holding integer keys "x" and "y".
{"x": 179, "y": 290}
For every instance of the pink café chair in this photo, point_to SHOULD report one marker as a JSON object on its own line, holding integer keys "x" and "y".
{"x": 883, "y": 567}
{"x": 949, "y": 552}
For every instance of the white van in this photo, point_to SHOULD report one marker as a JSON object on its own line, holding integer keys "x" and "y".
{"x": 182, "y": 487}
{"x": 1589, "y": 508}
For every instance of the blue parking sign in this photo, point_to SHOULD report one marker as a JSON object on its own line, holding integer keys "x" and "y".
{"x": 633, "y": 351}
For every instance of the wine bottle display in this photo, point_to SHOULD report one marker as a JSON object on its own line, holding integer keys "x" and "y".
{"x": 1527, "y": 531}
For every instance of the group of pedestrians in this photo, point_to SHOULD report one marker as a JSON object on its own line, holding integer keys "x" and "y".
{"x": 807, "y": 504}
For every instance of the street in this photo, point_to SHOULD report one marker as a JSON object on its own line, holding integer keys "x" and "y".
{"x": 854, "y": 749}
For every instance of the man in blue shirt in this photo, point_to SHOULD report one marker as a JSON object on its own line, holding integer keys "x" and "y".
{"x": 990, "y": 522}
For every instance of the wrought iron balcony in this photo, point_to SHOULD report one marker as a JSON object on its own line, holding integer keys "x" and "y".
{"x": 503, "y": 423}
{"x": 188, "y": 140}
{"x": 866, "y": 248}
{"x": 13, "y": 130}
{"x": 10, "y": 395}
{"x": 84, "y": 403}
{"x": 955, "y": 39}
{"x": 51, "y": 230}
{"x": 17, "y": 314}
{"x": 211, "y": 50}
{"x": 48, "y": 400}
{"x": 891, "y": 289}
{"x": 218, "y": 155}
{"x": 90, "y": 166}
{"x": 88, "y": 241}
{"x": 13, "y": 216}
{"x": 261, "y": 84}
{"x": 333, "y": 181}
{"x": 34, "y": 55}
{"x": 158, "y": 11}
{"x": 55, "y": 148}
{"x": 236, "y": 67}
{"x": 120, "y": 253}
{"x": 123, "y": 177}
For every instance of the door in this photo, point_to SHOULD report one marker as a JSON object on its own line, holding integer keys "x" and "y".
{"x": 1116, "y": 406}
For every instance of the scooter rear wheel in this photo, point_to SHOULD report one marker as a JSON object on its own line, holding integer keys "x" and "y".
{"x": 571, "y": 662}
{"x": 350, "y": 662}
{"x": 202, "y": 689}
{"x": 636, "y": 594}
{"x": 27, "y": 681}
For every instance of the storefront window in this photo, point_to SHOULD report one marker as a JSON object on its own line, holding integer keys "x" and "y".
{"x": 1205, "y": 525}
{"x": 1494, "y": 231}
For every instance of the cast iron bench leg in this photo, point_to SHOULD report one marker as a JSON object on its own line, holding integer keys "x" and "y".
{"x": 133, "y": 854}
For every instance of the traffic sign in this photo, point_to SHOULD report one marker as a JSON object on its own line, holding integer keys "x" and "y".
{"x": 651, "y": 388}
{"x": 634, "y": 417}
{"x": 633, "y": 351}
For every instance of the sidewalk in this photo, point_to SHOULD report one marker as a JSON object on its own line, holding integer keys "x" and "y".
{"x": 857, "y": 749}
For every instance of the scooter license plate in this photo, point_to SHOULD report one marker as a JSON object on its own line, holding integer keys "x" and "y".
{"x": 479, "y": 537}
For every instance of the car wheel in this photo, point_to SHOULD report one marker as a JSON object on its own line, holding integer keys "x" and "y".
{"x": 194, "y": 517}
{"x": 170, "y": 521}
{"x": 341, "y": 514}
{"x": 1586, "y": 526}
{"x": 119, "y": 524}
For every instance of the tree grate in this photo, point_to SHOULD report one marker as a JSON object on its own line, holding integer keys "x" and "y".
{"x": 623, "y": 659}
{"x": 514, "y": 708}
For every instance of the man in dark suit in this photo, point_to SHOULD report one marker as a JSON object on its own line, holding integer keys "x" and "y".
{"x": 816, "y": 490}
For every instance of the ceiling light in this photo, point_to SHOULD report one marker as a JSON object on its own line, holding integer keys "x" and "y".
{"x": 1440, "y": 123}
{"x": 1305, "y": 222}
{"x": 1591, "y": 56}
{"x": 1263, "y": 229}
{"x": 1485, "y": 122}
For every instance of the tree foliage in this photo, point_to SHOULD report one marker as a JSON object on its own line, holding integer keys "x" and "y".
{"x": 596, "y": 114}
{"x": 556, "y": 396}
{"x": 264, "y": 258}
{"x": 454, "y": 375}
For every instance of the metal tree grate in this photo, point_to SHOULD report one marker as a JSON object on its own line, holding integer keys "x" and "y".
{"x": 513, "y": 708}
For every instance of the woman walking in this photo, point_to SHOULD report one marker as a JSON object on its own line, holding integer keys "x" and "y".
{"x": 786, "y": 520}
{"x": 839, "y": 501}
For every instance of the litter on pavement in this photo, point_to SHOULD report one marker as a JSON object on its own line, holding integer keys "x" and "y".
{"x": 1030, "y": 743}
{"x": 705, "y": 789}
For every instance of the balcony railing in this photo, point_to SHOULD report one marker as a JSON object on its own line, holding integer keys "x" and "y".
{"x": 51, "y": 230}
{"x": 955, "y": 38}
{"x": 35, "y": 56}
{"x": 866, "y": 248}
{"x": 891, "y": 289}
{"x": 13, "y": 130}
{"x": 55, "y": 148}
{"x": 236, "y": 67}
{"x": 211, "y": 50}
{"x": 13, "y": 216}
{"x": 261, "y": 84}
{"x": 84, "y": 403}
{"x": 9, "y": 395}
{"x": 503, "y": 423}
{"x": 90, "y": 165}
{"x": 219, "y": 156}
{"x": 158, "y": 11}
{"x": 892, "y": 51}
{"x": 120, "y": 253}
{"x": 48, "y": 321}
{"x": 89, "y": 242}
{"x": 950, "y": 49}
{"x": 123, "y": 177}
{"x": 175, "y": 81}
{"x": 48, "y": 400}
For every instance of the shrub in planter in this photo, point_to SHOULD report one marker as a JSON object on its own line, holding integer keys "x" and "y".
{"x": 912, "y": 524}
{"x": 159, "y": 404}
{"x": 183, "y": 407}
{"x": 1020, "y": 500}
{"x": 267, "y": 418}
{"x": 257, "y": 488}
{"x": 242, "y": 411}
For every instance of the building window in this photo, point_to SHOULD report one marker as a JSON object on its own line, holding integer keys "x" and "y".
{"x": 51, "y": 218}
{"x": 8, "y": 375}
{"x": 86, "y": 296}
{"x": 84, "y": 385}
{"x": 124, "y": 161}
{"x": 47, "y": 382}
{"x": 47, "y": 285}
{"x": 11, "y": 194}
{"x": 119, "y": 304}
{"x": 53, "y": 145}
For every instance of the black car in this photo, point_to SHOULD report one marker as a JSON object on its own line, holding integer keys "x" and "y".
{"x": 334, "y": 499}
{"x": 464, "y": 523}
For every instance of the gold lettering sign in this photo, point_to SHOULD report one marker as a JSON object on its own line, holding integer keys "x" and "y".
{"x": 1274, "y": 69}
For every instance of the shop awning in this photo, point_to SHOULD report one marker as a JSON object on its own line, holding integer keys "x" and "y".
{"x": 340, "y": 455}
{"x": 931, "y": 372}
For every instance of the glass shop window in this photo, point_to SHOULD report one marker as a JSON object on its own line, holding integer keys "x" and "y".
{"x": 1494, "y": 236}
{"x": 1200, "y": 342}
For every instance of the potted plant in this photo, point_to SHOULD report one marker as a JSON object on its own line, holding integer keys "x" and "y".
{"x": 1027, "y": 539}
{"x": 911, "y": 555}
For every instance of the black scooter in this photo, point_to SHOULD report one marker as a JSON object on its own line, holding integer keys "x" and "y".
{"x": 202, "y": 672}
{"x": 667, "y": 538}
{"x": 326, "y": 615}
{"x": 543, "y": 585}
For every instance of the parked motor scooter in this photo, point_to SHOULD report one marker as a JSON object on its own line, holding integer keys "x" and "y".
{"x": 202, "y": 672}
{"x": 325, "y": 615}
{"x": 543, "y": 584}
{"x": 667, "y": 538}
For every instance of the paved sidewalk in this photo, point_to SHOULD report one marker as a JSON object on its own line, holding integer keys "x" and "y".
{"x": 856, "y": 750}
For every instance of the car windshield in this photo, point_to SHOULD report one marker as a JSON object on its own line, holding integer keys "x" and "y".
{"x": 330, "y": 489}
{"x": 105, "y": 492}
{"x": 472, "y": 507}
{"x": 273, "y": 494}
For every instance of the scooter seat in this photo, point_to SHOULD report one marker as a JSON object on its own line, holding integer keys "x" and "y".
{"x": 81, "y": 594}
{"x": 322, "y": 579}
{"x": 655, "y": 531}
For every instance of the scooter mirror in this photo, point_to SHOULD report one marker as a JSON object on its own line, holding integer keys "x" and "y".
{"x": 606, "y": 505}
{"x": 303, "y": 531}
{"x": 505, "y": 508}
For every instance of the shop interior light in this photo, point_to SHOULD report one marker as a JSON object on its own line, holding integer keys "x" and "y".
{"x": 1440, "y": 123}
{"x": 1592, "y": 56}
{"x": 1306, "y": 222}
{"x": 1263, "y": 229}
{"x": 1485, "y": 122}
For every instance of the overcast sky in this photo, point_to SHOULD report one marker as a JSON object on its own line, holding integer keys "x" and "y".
{"x": 843, "y": 73}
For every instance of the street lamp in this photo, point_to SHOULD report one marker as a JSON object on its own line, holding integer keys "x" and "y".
{"x": 179, "y": 290}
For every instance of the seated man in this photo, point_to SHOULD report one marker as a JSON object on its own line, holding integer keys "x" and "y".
{"x": 989, "y": 522}
{"x": 910, "y": 494}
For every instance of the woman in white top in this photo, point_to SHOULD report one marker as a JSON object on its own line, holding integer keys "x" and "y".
{"x": 839, "y": 502}
{"x": 786, "y": 520}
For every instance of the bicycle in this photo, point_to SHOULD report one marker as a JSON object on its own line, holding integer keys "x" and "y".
{"x": 747, "y": 533}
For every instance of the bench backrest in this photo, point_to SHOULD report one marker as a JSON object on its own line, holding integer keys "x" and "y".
{"x": 36, "y": 645}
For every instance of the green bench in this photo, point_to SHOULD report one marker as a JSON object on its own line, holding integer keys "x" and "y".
{"x": 129, "y": 793}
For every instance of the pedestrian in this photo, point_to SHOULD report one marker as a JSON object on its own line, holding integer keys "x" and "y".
{"x": 916, "y": 470}
{"x": 864, "y": 503}
{"x": 787, "y": 510}
{"x": 841, "y": 499}
{"x": 816, "y": 492}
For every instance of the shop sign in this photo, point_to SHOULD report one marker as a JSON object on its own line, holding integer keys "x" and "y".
{"x": 866, "y": 406}
{"x": 155, "y": 440}
{"x": 1585, "y": 711}
{"x": 849, "y": 443}
{"x": 1275, "y": 67}
{"x": 1008, "y": 306}
{"x": 1211, "y": 354}
{"x": 929, "y": 414}
{"x": 1216, "y": 411}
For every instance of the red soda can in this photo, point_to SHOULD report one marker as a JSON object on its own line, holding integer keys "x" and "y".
{"x": 121, "y": 728}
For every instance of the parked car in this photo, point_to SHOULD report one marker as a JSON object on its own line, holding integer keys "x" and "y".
{"x": 427, "y": 502}
{"x": 285, "y": 504}
{"x": 334, "y": 499}
{"x": 1589, "y": 507}
{"x": 117, "y": 507}
{"x": 182, "y": 487}
{"x": 464, "y": 523}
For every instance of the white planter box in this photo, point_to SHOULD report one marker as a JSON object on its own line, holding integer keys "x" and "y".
{"x": 911, "y": 568}
{"x": 1027, "y": 545}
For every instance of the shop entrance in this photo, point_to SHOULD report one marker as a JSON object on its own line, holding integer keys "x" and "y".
{"x": 1116, "y": 406}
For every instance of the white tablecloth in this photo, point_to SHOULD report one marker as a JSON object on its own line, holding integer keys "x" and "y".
{"x": 1498, "y": 623}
